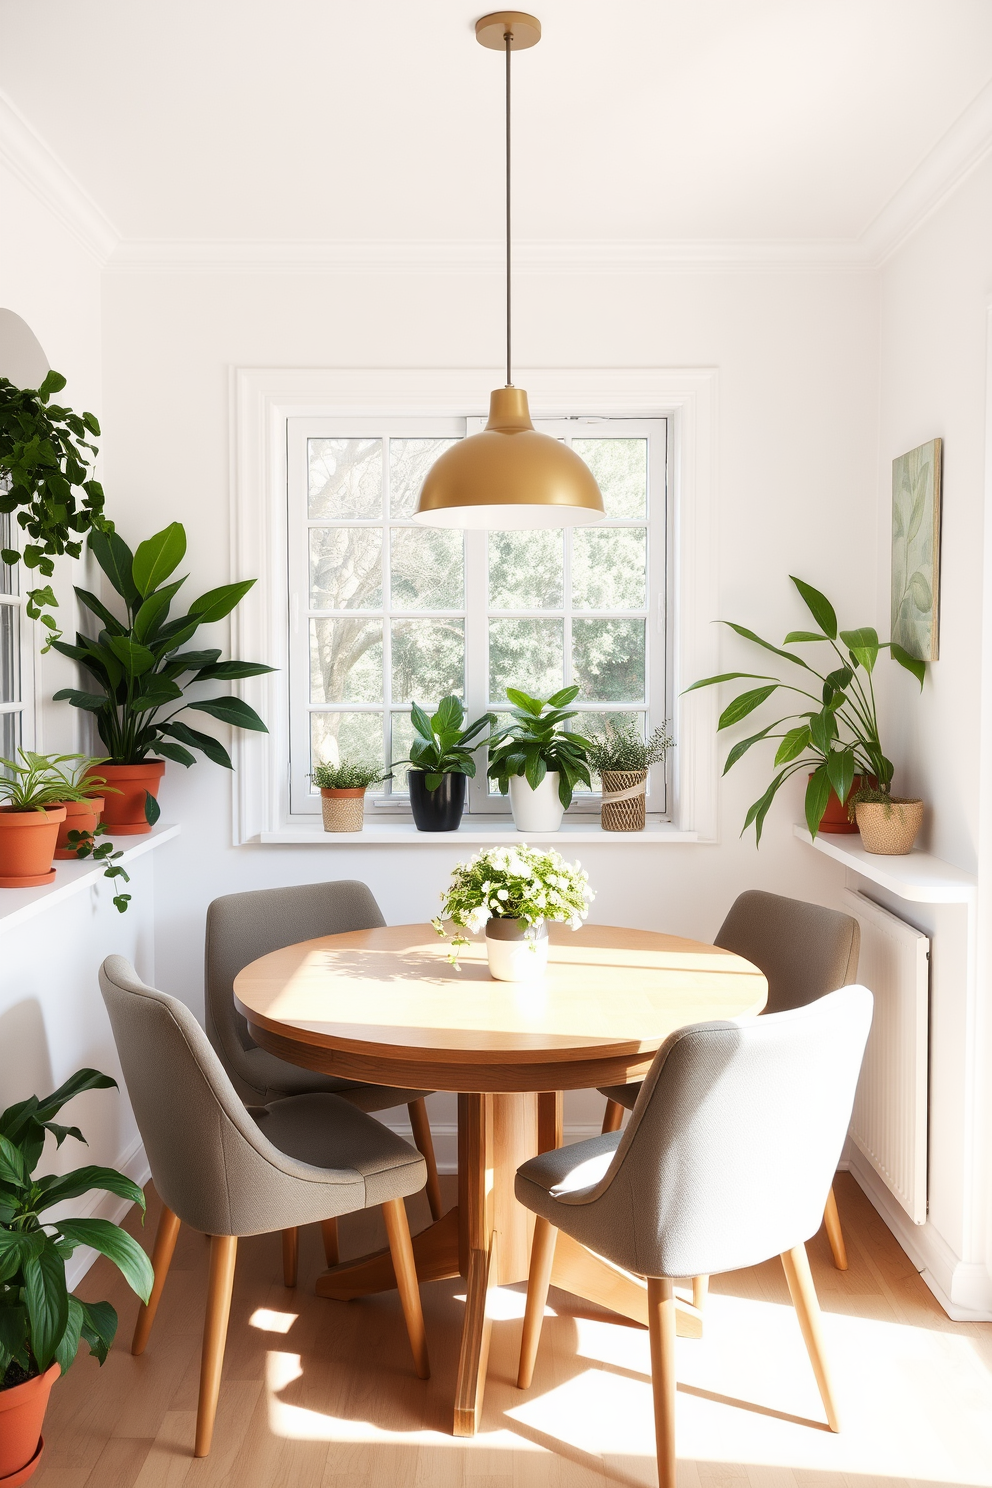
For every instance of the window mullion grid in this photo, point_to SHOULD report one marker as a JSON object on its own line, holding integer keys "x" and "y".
{"x": 387, "y": 629}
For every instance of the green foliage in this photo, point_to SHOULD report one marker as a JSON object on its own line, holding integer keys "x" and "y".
{"x": 40, "y": 1320}
{"x": 139, "y": 663}
{"x": 348, "y": 775}
{"x": 440, "y": 745}
{"x": 835, "y": 739}
{"x": 537, "y": 742}
{"x": 519, "y": 883}
{"x": 45, "y": 455}
{"x": 84, "y": 845}
{"x": 623, "y": 747}
{"x": 38, "y": 781}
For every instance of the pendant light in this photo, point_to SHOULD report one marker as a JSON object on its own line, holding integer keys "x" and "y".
{"x": 509, "y": 476}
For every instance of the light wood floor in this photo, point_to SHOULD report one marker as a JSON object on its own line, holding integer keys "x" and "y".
{"x": 321, "y": 1394}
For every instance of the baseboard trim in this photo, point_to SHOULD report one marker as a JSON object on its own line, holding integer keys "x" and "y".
{"x": 963, "y": 1288}
{"x": 99, "y": 1205}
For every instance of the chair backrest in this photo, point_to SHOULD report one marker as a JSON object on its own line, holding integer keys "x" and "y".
{"x": 210, "y": 1163}
{"x": 242, "y": 927}
{"x": 803, "y": 949}
{"x": 732, "y": 1146}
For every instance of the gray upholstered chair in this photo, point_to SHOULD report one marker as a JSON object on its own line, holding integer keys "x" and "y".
{"x": 232, "y": 1172}
{"x": 725, "y": 1162}
{"x": 804, "y": 951}
{"x": 242, "y": 927}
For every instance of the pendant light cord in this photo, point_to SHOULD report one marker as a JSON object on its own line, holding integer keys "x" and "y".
{"x": 507, "y": 38}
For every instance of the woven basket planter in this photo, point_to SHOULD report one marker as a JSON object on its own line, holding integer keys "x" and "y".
{"x": 889, "y": 827}
{"x": 623, "y": 800}
{"x": 343, "y": 810}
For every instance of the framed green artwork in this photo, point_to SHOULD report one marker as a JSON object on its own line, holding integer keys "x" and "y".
{"x": 916, "y": 550}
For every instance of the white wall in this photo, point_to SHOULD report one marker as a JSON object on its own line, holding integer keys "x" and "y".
{"x": 797, "y": 359}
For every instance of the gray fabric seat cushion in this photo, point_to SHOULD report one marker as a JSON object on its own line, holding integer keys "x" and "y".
{"x": 324, "y": 1131}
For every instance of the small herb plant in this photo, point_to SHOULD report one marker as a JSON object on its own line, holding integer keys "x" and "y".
{"x": 139, "y": 662}
{"x": 440, "y": 745}
{"x": 348, "y": 775}
{"x": 45, "y": 457}
{"x": 537, "y": 742}
{"x": 515, "y": 883}
{"x": 838, "y": 736}
{"x": 622, "y": 747}
{"x": 37, "y": 781}
{"x": 40, "y": 1320}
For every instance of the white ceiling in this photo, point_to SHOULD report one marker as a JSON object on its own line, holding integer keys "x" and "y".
{"x": 316, "y": 120}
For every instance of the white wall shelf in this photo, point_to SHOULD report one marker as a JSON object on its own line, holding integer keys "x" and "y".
{"x": 497, "y": 831}
{"x": 915, "y": 876}
{"x": 72, "y": 876}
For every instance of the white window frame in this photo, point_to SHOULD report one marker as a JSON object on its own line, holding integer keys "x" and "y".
{"x": 25, "y": 703}
{"x": 263, "y": 400}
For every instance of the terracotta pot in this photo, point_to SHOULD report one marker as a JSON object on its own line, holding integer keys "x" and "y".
{"x": 835, "y": 817}
{"x": 27, "y": 846}
{"x": 343, "y": 810}
{"x": 80, "y": 816}
{"x": 124, "y": 814}
{"x": 889, "y": 827}
{"x": 22, "y": 1415}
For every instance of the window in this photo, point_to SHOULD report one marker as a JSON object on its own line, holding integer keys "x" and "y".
{"x": 12, "y": 668}
{"x": 384, "y": 611}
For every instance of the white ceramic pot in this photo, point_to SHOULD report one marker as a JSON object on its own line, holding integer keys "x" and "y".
{"x": 513, "y": 957}
{"x": 536, "y": 810}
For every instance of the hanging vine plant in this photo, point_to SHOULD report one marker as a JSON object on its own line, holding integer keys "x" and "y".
{"x": 46, "y": 453}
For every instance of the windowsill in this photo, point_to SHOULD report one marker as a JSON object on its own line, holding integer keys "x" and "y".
{"x": 497, "y": 829}
{"x": 18, "y": 905}
{"x": 916, "y": 876}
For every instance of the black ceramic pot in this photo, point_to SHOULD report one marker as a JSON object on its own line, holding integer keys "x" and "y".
{"x": 438, "y": 810}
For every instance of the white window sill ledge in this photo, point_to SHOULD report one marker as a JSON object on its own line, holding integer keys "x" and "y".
{"x": 72, "y": 876}
{"x": 498, "y": 830}
{"x": 915, "y": 876}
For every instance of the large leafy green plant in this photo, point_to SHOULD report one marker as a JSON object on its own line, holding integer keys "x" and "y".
{"x": 45, "y": 457}
{"x": 838, "y": 736}
{"x": 440, "y": 744}
{"x": 536, "y": 742}
{"x": 140, "y": 662}
{"x": 40, "y": 1319}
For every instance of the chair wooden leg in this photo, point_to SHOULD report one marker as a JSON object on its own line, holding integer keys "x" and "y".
{"x": 661, "y": 1327}
{"x": 803, "y": 1293}
{"x": 700, "y": 1287}
{"x": 290, "y": 1256}
{"x": 329, "y": 1235}
{"x": 424, "y": 1143}
{"x": 401, "y": 1251}
{"x": 223, "y": 1255}
{"x": 165, "y": 1243}
{"x": 835, "y": 1234}
{"x": 542, "y": 1257}
{"x": 613, "y": 1118}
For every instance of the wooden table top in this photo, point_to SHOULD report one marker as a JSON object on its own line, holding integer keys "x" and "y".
{"x": 610, "y": 997}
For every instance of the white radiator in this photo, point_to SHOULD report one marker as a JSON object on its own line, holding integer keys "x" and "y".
{"x": 889, "y": 1125}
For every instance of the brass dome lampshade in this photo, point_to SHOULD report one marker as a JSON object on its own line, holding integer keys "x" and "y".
{"x": 509, "y": 476}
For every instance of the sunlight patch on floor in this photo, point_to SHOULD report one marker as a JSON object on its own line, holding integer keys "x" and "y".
{"x": 272, "y": 1322}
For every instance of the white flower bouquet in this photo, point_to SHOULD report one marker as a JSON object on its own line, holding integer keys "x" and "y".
{"x": 515, "y": 883}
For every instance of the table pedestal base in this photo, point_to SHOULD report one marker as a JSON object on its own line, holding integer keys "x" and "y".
{"x": 487, "y": 1236}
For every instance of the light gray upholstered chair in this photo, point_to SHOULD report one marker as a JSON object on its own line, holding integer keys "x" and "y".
{"x": 804, "y": 951}
{"x": 242, "y": 927}
{"x": 232, "y": 1172}
{"x": 725, "y": 1162}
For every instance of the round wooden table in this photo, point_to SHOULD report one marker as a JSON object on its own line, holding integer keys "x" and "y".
{"x": 386, "y": 1006}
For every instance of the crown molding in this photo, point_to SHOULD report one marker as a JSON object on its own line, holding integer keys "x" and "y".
{"x": 941, "y": 171}
{"x": 39, "y": 169}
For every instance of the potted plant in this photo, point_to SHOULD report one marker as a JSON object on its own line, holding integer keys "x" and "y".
{"x": 144, "y": 673}
{"x": 537, "y": 760}
{"x": 838, "y": 735}
{"x": 622, "y": 757}
{"x": 83, "y": 796}
{"x": 45, "y": 454}
{"x": 441, "y": 758}
{"x": 31, "y": 793}
{"x": 888, "y": 824}
{"x": 342, "y": 793}
{"x": 41, "y": 1322}
{"x": 514, "y": 892}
